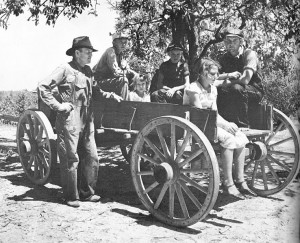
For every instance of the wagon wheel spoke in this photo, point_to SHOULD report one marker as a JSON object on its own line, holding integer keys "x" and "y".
{"x": 151, "y": 187}
{"x": 163, "y": 142}
{"x": 280, "y": 142}
{"x": 44, "y": 151}
{"x": 35, "y": 127}
{"x": 193, "y": 183}
{"x": 254, "y": 173}
{"x": 171, "y": 200}
{"x": 40, "y": 133}
{"x": 147, "y": 158}
{"x": 181, "y": 201}
{"x": 265, "y": 180}
{"x": 44, "y": 161}
{"x": 272, "y": 171}
{"x": 30, "y": 162}
{"x": 282, "y": 153}
{"x": 23, "y": 125}
{"x": 247, "y": 166}
{"x": 142, "y": 173}
{"x": 190, "y": 194}
{"x": 155, "y": 149}
{"x": 173, "y": 141}
{"x": 191, "y": 157}
{"x": 36, "y": 167}
{"x": 183, "y": 146}
{"x": 280, "y": 163}
{"x": 161, "y": 195}
{"x": 274, "y": 133}
{"x": 31, "y": 126}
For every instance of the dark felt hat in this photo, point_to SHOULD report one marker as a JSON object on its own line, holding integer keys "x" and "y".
{"x": 234, "y": 32}
{"x": 80, "y": 42}
{"x": 172, "y": 47}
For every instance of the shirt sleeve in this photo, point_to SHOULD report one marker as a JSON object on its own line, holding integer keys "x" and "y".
{"x": 250, "y": 60}
{"x": 186, "y": 71}
{"x": 48, "y": 85}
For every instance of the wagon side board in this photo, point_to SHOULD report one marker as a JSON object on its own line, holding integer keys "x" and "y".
{"x": 130, "y": 115}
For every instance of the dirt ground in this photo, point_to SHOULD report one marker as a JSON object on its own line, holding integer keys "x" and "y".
{"x": 32, "y": 213}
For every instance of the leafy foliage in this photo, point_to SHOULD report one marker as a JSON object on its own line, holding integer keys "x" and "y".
{"x": 270, "y": 26}
{"x": 281, "y": 91}
{"x": 16, "y": 102}
{"x": 51, "y": 9}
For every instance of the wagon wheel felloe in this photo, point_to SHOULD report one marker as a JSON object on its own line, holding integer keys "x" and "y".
{"x": 276, "y": 162}
{"x": 178, "y": 181}
{"x": 36, "y": 143}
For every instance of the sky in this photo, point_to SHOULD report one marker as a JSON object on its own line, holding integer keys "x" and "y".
{"x": 29, "y": 53}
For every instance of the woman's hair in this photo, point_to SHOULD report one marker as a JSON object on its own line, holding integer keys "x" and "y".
{"x": 204, "y": 65}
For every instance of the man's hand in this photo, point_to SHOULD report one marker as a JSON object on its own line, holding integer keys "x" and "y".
{"x": 65, "y": 107}
{"x": 170, "y": 93}
{"x": 234, "y": 75}
{"x": 116, "y": 97}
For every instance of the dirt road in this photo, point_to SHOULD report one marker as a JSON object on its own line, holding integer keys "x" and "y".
{"x": 32, "y": 213}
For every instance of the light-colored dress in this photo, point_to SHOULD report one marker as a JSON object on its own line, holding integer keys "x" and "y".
{"x": 133, "y": 96}
{"x": 208, "y": 100}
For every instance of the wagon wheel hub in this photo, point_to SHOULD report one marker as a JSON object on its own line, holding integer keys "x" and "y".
{"x": 34, "y": 147}
{"x": 25, "y": 146}
{"x": 163, "y": 173}
{"x": 258, "y": 151}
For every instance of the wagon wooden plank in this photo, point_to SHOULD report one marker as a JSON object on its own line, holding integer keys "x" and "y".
{"x": 135, "y": 115}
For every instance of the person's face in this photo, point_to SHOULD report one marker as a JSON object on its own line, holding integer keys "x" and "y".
{"x": 212, "y": 75}
{"x": 121, "y": 44}
{"x": 175, "y": 55}
{"x": 141, "y": 87}
{"x": 233, "y": 44}
{"x": 83, "y": 56}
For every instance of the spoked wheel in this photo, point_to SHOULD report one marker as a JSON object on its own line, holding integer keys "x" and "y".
{"x": 275, "y": 161}
{"x": 36, "y": 143}
{"x": 175, "y": 171}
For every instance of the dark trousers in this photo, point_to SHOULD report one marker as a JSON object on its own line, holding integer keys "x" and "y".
{"x": 118, "y": 85}
{"x": 233, "y": 101}
{"x": 160, "y": 96}
{"x": 77, "y": 152}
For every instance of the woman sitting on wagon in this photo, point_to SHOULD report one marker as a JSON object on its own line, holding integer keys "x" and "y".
{"x": 203, "y": 94}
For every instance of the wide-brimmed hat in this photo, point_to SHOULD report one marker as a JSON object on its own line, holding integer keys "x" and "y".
{"x": 80, "y": 42}
{"x": 119, "y": 36}
{"x": 173, "y": 47}
{"x": 234, "y": 33}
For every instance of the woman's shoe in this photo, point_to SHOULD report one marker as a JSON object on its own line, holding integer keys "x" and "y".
{"x": 243, "y": 188}
{"x": 233, "y": 191}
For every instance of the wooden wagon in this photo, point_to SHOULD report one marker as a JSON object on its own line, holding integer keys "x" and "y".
{"x": 172, "y": 151}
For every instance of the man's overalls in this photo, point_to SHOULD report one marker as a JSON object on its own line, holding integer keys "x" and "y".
{"x": 75, "y": 136}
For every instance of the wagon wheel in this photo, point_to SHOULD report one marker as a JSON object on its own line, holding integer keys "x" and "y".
{"x": 277, "y": 162}
{"x": 179, "y": 183}
{"x": 36, "y": 145}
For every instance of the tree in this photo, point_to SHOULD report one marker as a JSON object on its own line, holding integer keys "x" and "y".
{"x": 271, "y": 26}
{"x": 51, "y": 9}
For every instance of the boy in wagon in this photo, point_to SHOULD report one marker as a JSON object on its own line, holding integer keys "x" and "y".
{"x": 173, "y": 77}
